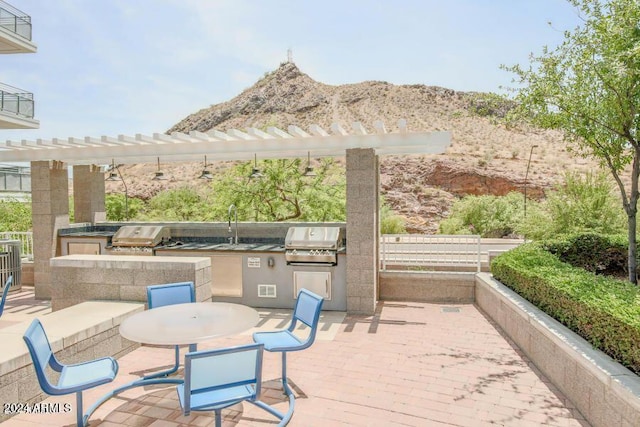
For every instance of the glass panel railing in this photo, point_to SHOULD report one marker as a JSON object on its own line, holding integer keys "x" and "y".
{"x": 16, "y": 101}
{"x": 15, "y": 20}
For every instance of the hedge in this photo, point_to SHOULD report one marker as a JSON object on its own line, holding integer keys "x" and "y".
{"x": 604, "y": 311}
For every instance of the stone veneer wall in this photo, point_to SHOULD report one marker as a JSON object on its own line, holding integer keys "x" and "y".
{"x": 78, "y": 278}
{"x": 427, "y": 286}
{"x": 88, "y": 194}
{"x": 50, "y": 212}
{"x": 362, "y": 230}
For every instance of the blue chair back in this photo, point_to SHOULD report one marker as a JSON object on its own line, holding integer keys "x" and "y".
{"x": 223, "y": 377}
{"x": 41, "y": 354}
{"x": 308, "y": 308}
{"x": 171, "y": 293}
{"x": 5, "y": 291}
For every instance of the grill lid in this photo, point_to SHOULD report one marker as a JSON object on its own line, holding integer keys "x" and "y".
{"x": 312, "y": 238}
{"x": 140, "y": 235}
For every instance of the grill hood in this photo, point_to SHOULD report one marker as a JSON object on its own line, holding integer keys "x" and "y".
{"x": 312, "y": 238}
{"x": 140, "y": 235}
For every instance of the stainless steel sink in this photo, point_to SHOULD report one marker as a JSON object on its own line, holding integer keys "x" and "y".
{"x": 238, "y": 247}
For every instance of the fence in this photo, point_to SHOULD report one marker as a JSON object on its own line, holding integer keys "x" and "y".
{"x": 419, "y": 250}
{"x": 26, "y": 240}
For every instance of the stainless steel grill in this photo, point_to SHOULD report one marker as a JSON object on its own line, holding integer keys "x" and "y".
{"x": 312, "y": 245}
{"x": 137, "y": 239}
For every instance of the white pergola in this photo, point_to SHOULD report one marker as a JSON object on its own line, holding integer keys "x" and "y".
{"x": 232, "y": 144}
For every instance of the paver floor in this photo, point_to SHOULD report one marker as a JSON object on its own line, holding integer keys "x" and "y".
{"x": 411, "y": 364}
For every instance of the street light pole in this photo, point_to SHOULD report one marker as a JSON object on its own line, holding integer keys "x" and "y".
{"x": 526, "y": 175}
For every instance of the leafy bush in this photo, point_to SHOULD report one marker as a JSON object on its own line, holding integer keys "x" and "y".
{"x": 597, "y": 253}
{"x": 604, "y": 311}
{"x": 488, "y": 216}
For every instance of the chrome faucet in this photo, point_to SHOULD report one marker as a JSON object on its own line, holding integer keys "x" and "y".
{"x": 233, "y": 208}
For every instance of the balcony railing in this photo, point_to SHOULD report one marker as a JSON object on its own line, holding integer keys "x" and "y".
{"x": 15, "y": 20}
{"x": 26, "y": 238}
{"x": 16, "y": 101}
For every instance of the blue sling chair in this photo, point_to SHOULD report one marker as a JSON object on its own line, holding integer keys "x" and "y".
{"x": 307, "y": 311}
{"x": 73, "y": 378}
{"x": 5, "y": 291}
{"x": 168, "y": 294}
{"x": 217, "y": 379}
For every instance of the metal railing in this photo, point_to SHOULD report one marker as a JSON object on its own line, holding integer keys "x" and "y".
{"x": 16, "y": 101}
{"x": 26, "y": 239}
{"x": 430, "y": 251}
{"x": 15, "y": 20}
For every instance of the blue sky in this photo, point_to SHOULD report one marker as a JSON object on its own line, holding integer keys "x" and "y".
{"x": 114, "y": 67}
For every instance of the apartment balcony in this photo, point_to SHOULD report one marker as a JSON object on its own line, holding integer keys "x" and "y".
{"x": 15, "y": 30}
{"x": 16, "y": 109}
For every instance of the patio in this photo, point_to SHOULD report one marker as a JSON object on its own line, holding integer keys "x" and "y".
{"x": 409, "y": 364}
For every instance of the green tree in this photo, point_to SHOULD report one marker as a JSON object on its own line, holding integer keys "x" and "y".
{"x": 589, "y": 87}
{"x": 15, "y": 215}
{"x": 282, "y": 194}
{"x": 180, "y": 204}
{"x": 116, "y": 210}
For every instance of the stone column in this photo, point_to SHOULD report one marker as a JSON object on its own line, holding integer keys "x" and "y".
{"x": 88, "y": 194}
{"x": 362, "y": 230}
{"x": 50, "y": 212}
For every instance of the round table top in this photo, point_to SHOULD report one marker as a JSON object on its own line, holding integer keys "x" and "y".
{"x": 188, "y": 323}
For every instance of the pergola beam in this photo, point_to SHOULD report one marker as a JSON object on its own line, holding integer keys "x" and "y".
{"x": 231, "y": 145}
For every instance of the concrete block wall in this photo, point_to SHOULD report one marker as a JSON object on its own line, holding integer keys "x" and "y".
{"x": 363, "y": 230}
{"x": 50, "y": 212}
{"x": 78, "y": 278}
{"x": 88, "y": 194}
{"x": 605, "y": 392}
{"x": 79, "y": 333}
{"x": 427, "y": 286}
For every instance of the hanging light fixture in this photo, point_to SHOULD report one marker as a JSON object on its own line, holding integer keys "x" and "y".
{"x": 113, "y": 172}
{"x": 205, "y": 173}
{"x": 308, "y": 171}
{"x": 159, "y": 174}
{"x": 116, "y": 175}
{"x": 255, "y": 172}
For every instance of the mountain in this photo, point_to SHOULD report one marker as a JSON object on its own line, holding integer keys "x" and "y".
{"x": 485, "y": 156}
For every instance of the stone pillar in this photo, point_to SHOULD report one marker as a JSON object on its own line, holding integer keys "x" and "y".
{"x": 362, "y": 230}
{"x": 50, "y": 212}
{"x": 88, "y": 194}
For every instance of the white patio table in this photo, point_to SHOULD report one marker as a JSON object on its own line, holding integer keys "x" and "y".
{"x": 181, "y": 324}
{"x": 188, "y": 323}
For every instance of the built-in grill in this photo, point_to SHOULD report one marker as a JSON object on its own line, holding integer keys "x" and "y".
{"x": 312, "y": 245}
{"x": 137, "y": 239}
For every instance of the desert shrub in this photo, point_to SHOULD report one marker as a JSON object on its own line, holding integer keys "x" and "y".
{"x": 582, "y": 204}
{"x": 604, "y": 311}
{"x": 488, "y": 216}
{"x": 390, "y": 223}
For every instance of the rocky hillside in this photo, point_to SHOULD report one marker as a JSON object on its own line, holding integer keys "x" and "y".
{"x": 485, "y": 157}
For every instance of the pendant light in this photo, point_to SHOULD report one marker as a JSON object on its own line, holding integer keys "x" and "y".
{"x": 205, "y": 173}
{"x": 308, "y": 171}
{"x": 255, "y": 172}
{"x": 159, "y": 176}
{"x": 113, "y": 174}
